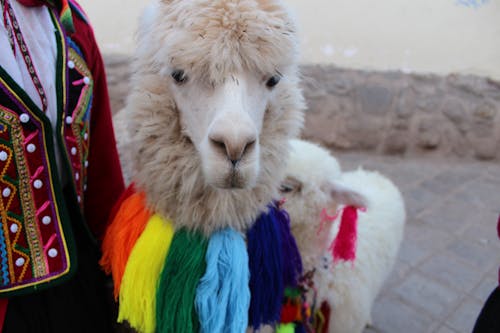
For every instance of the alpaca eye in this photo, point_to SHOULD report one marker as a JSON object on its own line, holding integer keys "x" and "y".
{"x": 291, "y": 185}
{"x": 286, "y": 188}
{"x": 179, "y": 76}
{"x": 273, "y": 81}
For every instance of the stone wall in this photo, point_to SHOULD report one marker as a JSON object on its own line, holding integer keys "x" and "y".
{"x": 397, "y": 113}
{"x": 386, "y": 112}
{"x": 118, "y": 73}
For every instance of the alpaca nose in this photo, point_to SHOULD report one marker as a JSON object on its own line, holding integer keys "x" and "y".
{"x": 233, "y": 148}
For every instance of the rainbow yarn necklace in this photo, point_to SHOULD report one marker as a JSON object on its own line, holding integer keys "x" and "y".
{"x": 169, "y": 280}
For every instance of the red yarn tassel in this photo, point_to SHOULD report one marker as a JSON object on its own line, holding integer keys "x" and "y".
{"x": 344, "y": 245}
{"x": 124, "y": 196}
{"x": 325, "y": 311}
{"x": 289, "y": 313}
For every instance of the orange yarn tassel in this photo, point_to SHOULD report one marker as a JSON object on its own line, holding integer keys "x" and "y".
{"x": 121, "y": 236}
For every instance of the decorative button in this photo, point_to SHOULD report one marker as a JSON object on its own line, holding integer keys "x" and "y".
{"x": 69, "y": 120}
{"x": 20, "y": 262}
{"x": 86, "y": 136}
{"x": 6, "y": 192}
{"x": 86, "y": 80}
{"x": 3, "y": 156}
{"x": 85, "y": 187}
{"x": 38, "y": 184}
{"x": 71, "y": 64}
{"x": 77, "y": 176}
{"x": 73, "y": 151}
{"x": 53, "y": 253}
{"x": 79, "y": 199}
{"x": 31, "y": 148}
{"x": 86, "y": 164}
{"x": 14, "y": 228}
{"x": 24, "y": 118}
{"x": 46, "y": 220}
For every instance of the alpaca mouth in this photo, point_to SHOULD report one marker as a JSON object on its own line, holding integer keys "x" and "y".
{"x": 236, "y": 181}
{"x": 233, "y": 181}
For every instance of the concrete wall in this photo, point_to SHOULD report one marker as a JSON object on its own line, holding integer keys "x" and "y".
{"x": 424, "y": 36}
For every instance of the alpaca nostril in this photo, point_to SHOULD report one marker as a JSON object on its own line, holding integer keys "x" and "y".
{"x": 234, "y": 150}
{"x": 240, "y": 150}
{"x": 218, "y": 144}
{"x": 250, "y": 144}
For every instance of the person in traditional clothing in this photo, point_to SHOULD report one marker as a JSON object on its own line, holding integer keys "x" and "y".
{"x": 59, "y": 169}
{"x": 489, "y": 317}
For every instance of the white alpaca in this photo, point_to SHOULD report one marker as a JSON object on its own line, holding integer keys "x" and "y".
{"x": 315, "y": 182}
{"x": 215, "y": 98}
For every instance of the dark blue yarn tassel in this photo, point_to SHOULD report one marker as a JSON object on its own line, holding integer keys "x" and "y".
{"x": 292, "y": 262}
{"x": 299, "y": 328}
{"x": 266, "y": 270}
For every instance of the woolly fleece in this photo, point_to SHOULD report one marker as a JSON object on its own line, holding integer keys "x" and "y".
{"x": 350, "y": 288}
{"x": 212, "y": 39}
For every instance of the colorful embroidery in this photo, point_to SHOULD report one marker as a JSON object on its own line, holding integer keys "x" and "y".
{"x": 64, "y": 13}
{"x": 36, "y": 250}
{"x": 77, "y": 120}
{"x": 32, "y": 237}
{"x": 36, "y": 243}
{"x": 78, "y": 11}
{"x": 13, "y": 205}
{"x": 5, "y": 268}
{"x": 15, "y": 32}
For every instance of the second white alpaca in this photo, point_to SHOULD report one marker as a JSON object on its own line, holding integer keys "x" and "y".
{"x": 315, "y": 183}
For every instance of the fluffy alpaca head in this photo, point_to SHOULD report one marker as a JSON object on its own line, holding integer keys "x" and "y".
{"x": 312, "y": 187}
{"x": 214, "y": 100}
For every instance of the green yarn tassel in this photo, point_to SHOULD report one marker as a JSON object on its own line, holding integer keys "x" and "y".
{"x": 286, "y": 328}
{"x": 184, "y": 267}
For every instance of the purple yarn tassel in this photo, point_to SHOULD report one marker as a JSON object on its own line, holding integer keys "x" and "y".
{"x": 266, "y": 270}
{"x": 292, "y": 262}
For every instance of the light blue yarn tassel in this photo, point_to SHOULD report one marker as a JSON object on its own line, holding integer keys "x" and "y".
{"x": 223, "y": 295}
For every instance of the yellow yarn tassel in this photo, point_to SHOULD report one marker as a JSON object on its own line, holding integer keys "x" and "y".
{"x": 139, "y": 282}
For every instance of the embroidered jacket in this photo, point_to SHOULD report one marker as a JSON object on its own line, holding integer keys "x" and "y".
{"x": 36, "y": 242}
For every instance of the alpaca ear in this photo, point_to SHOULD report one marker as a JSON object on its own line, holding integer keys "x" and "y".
{"x": 343, "y": 195}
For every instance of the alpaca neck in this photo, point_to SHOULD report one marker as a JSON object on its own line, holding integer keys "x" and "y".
{"x": 312, "y": 245}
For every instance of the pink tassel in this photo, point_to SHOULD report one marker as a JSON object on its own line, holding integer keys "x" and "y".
{"x": 344, "y": 245}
